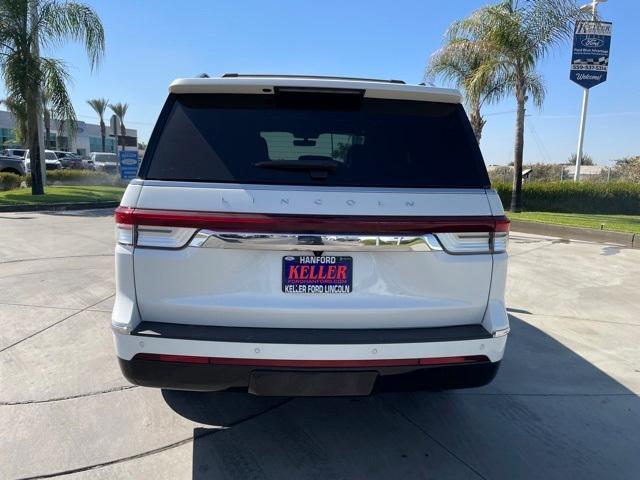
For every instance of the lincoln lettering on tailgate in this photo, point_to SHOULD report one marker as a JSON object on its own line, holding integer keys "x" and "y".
{"x": 317, "y": 274}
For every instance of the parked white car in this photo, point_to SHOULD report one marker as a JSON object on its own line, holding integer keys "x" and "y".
{"x": 50, "y": 158}
{"x": 323, "y": 236}
{"x": 105, "y": 162}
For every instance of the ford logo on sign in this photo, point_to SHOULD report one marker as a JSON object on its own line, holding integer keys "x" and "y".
{"x": 592, "y": 42}
{"x": 129, "y": 161}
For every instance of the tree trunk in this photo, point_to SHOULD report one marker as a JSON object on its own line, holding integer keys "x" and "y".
{"x": 47, "y": 128}
{"x": 477, "y": 122}
{"x": 123, "y": 133}
{"x": 516, "y": 193}
{"x": 33, "y": 100}
{"x": 33, "y": 141}
{"x": 103, "y": 134}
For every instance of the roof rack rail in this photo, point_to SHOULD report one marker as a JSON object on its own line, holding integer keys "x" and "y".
{"x": 318, "y": 77}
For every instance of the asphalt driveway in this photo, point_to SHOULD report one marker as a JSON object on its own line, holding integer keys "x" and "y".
{"x": 564, "y": 405}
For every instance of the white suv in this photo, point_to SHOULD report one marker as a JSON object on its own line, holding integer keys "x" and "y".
{"x": 50, "y": 159}
{"x": 310, "y": 236}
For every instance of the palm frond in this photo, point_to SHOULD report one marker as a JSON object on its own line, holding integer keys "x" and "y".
{"x": 549, "y": 23}
{"x": 99, "y": 105}
{"x": 56, "y": 78}
{"x": 535, "y": 88}
{"x": 63, "y": 21}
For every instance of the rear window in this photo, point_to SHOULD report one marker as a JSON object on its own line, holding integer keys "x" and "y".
{"x": 310, "y": 140}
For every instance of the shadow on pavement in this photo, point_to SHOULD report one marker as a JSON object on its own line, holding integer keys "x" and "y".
{"x": 548, "y": 414}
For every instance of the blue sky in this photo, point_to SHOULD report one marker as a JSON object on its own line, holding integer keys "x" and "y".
{"x": 149, "y": 43}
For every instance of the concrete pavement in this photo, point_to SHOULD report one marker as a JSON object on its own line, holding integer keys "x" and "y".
{"x": 564, "y": 404}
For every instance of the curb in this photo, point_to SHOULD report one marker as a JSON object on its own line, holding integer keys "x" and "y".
{"x": 631, "y": 240}
{"x": 44, "y": 207}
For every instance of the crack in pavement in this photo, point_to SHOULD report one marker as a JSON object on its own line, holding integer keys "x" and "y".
{"x": 55, "y": 323}
{"x": 55, "y": 258}
{"x": 159, "y": 449}
{"x": 36, "y": 306}
{"x": 426, "y": 433}
{"x": 69, "y": 397}
{"x": 57, "y": 270}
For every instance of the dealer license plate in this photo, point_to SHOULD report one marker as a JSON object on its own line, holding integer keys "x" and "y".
{"x": 312, "y": 274}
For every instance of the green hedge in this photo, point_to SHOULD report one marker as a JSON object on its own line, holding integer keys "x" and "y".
{"x": 80, "y": 177}
{"x": 9, "y": 181}
{"x": 570, "y": 197}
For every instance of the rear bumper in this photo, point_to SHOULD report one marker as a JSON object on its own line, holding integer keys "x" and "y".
{"x": 275, "y": 361}
{"x": 305, "y": 381}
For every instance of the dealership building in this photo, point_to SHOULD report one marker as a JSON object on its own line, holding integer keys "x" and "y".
{"x": 86, "y": 140}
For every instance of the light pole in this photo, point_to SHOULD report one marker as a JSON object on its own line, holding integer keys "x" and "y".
{"x": 585, "y": 98}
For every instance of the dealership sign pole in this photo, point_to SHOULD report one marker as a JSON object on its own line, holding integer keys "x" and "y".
{"x": 589, "y": 63}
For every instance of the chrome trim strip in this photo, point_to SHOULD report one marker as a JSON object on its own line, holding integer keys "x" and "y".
{"x": 316, "y": 189}
{"x": 306, "y": 243}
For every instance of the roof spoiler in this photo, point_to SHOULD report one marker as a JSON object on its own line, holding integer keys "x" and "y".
{"x": 316, "y": 77}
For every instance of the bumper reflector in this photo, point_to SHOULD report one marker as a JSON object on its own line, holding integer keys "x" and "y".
{"x": 251, "y": 362}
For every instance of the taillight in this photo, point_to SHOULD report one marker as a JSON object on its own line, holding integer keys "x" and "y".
{"x": 174, "y": 229}
{"x": 129, "y": 231}
{"x": 466, "y": 242}
{"x": 124, "y": 234}
{"x": 501, "y": 236}
{"x": 492, "y": 241}
{"x": 163, "y": 237}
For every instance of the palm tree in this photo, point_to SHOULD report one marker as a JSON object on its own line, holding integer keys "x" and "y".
{"x": 120, "y": 110}
{"x": 514, "y": 35}
{"x": 46, "y": 115}
{"x": 26, "y": 26}
{"x": 99, "y": 105}
{"x": 460, "y": 64}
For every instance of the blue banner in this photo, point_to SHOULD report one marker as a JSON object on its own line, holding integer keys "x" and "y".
{"x": 128, "y": 165}
{"x": 590, "y": 57}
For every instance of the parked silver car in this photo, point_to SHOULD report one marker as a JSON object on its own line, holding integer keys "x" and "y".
{"x": 10, "y": 164}
{"x": 14, "y": 152}
{"x": 70, "y": 160}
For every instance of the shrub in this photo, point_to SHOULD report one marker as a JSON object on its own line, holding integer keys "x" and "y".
{"x": 79, "y": 177}
{"x": 627, "y": 169}
{"x": 9, "y": 181}
{"x": 570, "y": 197}
{"x": 541, "y": 172}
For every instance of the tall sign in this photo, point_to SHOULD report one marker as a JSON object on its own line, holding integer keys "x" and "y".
{"x": 590, "y": 57}
{"x": 128, "y": 165}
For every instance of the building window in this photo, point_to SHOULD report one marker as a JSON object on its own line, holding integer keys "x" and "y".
{"x": 95, "y": 144}
{"x": 8, "y": 138}
{"x": 51, "y": 143}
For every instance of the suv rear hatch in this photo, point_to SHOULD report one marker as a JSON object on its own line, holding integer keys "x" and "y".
{"x": 247, "y": 201}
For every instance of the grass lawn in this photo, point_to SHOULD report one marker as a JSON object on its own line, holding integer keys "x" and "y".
{"x": 616, "y": 223}
{"x": 66, "y": 194}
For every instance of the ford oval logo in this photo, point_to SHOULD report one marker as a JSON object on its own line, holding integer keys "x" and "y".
{"x": 129, "y": 161}
{"x": 592, "y": 42}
